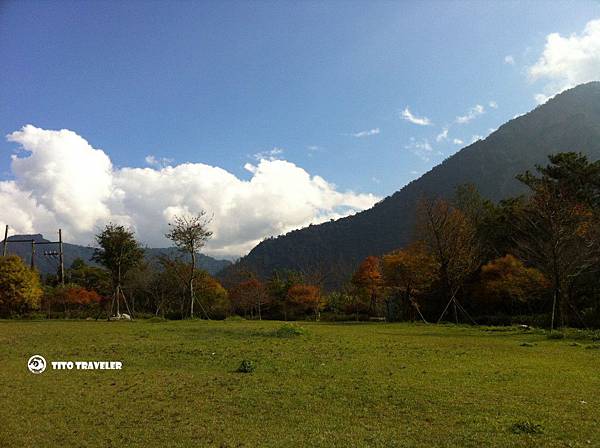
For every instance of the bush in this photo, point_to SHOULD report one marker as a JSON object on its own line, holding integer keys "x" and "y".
{"x": 247, "y": 366}
{"x": 289, "y": 331}
{"x": 234, "y": 318}
{"x": 556, "y": 335}
{"x": 526, "y": 427}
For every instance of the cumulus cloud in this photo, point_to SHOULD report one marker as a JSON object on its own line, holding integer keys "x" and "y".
{"x": 568, "y": 60}
{"x": 409, "y": 116}
{"x": 64, "y": 174}
{"x": 509, "y": 59}
{"x": 62, "y": 181}
{"x": 471, "y": 114}
{"x": 493, "y": 104}
{"x": 366, "y": 133}
{"x": 458, "y": 141}
{"x": 476, "y": 138}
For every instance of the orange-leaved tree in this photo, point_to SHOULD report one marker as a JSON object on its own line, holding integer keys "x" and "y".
{"x": 248, "y": 296}
{"x": 408, "y": 273}
{"x": 306, "y": 299}
{"x": 507, "y": 279}
{"x": 367, "y": 282}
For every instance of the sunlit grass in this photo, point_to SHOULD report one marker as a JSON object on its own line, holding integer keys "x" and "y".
{"x": 337, "y": 385}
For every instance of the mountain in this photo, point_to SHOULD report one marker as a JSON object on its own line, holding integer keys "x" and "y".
{"x": 568, "y": 122}
{"x": 49, "y": 264}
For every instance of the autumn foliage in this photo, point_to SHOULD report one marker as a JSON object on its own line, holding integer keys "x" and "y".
{"x": 306, "y": 299}
{"x": 508, "y": 279}
{"x": 20, "y": 289}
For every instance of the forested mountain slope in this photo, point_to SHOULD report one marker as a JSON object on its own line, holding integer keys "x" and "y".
{"x": 568, "y": 122}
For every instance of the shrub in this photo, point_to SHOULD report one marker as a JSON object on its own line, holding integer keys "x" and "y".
{"x": 556, "y": 335}
{"x": 234, "y": 318}
{"x": 247, "y": 366}
{"x": 526, "y": 427}
{"x": 289, "y": 331}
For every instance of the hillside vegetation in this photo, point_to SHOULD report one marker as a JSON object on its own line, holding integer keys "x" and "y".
{"x": 569, "y": 122}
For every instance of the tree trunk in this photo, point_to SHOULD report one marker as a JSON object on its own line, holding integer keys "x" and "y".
{"x": 193, "y": 265}
{"x": 556, "y": 292}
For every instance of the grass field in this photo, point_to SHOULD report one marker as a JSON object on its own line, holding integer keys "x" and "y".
{"x": 338, "y": 385}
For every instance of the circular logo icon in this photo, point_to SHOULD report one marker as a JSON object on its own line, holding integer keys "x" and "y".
{"x": 36, "y": 364}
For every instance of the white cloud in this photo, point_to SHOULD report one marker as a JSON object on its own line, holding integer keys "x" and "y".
{"x": 493, "y": 104}
{"x": 420, "y": 148}
{"x": 409, "y": 116}
{"x": 366, "y": 133}
{"x": 568, "y": 60}
{"x": 476, "y": 138}
{"x": 313, "y": 148}
{"x": 62, "y": 181}
{"x": 64, "y": 174}
{"x": 458, "y": 141}
{"x": 271, "y": 154}
{"x": 509, "y": 59}
{"x": 157, "y": 161}
{"x": 471, "y": 114}
{"x": 442, "y": 135}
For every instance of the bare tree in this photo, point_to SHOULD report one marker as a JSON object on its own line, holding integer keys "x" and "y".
{"x": 190, "y": 233}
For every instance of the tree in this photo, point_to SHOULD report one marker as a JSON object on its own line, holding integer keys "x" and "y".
{"x": 409, "y": 272}
{"x": 70, "y": 296}
{"x": 190, "y": 233}
{"x": 118, "y": 252}
{"x": 277, "y": 288}
{"x": 508, "y": 279}
{"x": 20, "y": 288}
{"x": 558, "y": 230}
{"x": 249, "y": 295}
{"x": 306, "y": 299}
{"x": 451, "y": 238}
{"x": 89, "y": 277}
{"x": 367, "y": 281}
{"x": 213, "y": 295}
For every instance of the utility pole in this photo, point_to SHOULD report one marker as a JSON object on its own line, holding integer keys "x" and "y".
{"x": 5, "y": 241}
{"x": 61, "y": 258}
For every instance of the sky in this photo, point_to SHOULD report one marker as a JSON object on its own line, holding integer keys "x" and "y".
{"x": 268, "y": 115}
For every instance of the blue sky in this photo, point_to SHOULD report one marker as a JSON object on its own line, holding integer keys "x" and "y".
{"x": 325, "y": 82}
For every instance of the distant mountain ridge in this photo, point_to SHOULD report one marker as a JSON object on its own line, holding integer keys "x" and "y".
{"x": 48, "y": 265}
{"x": 568, "y": 122}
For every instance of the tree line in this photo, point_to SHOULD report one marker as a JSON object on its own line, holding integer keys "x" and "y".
{"x": 530, "y": 259}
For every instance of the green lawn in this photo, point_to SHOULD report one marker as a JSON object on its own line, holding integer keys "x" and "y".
{"x": 342, "y": 385}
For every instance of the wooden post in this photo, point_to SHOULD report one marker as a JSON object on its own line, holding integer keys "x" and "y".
{"x": 61, "y": 258}
{"x": 5, "y": 241}
{"x": 32, "y": 255}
